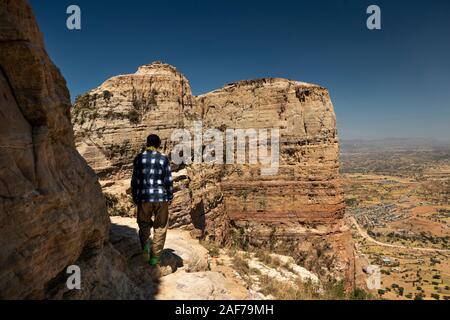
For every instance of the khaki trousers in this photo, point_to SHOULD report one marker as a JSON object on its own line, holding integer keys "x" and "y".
{"x": 159, "y": 212}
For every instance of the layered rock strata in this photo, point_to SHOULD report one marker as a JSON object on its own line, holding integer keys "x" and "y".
{"x": 298, "y": 209}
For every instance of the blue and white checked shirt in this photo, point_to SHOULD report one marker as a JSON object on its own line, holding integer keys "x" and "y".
{"x": 152, "y": 178}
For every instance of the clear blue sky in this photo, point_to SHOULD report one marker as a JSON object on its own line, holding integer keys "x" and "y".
{"x": 393, "y": 82}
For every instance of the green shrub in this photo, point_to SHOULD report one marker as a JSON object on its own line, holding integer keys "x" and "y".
{"x": 107, "y": 95}
{"x": 111, "y": 200}
{"x": 212, "y": 248}
{"x": 115, "y": 208}
{"x": 134, "y": 117}
{"x": 419, "y": 296}
{"x": 141, "y": 105}
{"x": 360, "y": 294}
{"x": 351, "y": 202}
{"x": 435, "y": 296}
{"x": 82, "y": 101}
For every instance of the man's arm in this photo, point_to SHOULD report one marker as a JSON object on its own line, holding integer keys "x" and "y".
{"x": 135, "y": 179}
{"x": 168, "y": 182}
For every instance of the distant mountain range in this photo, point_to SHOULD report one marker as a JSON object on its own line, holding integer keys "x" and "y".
{"x": 392, "y": 144}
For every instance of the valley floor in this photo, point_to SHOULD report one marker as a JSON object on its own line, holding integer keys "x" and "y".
{"x": 399, "y": 209}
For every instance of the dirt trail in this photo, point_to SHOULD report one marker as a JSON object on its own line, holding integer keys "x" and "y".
{"x": 364, "y": 234}
{"x": 190, "y": 274}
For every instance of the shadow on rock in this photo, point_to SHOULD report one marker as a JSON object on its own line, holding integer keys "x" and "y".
{"x": 170, "y": 259}
{"x": 125, "y": 240}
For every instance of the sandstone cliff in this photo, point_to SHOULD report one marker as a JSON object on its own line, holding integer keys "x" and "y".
{"x": 52, "y": 212}
{"x": 298, "y": 210}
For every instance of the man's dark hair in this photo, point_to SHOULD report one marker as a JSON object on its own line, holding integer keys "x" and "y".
{"x": 153, "y": 141}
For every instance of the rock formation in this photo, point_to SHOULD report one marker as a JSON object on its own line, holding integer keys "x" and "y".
{"x": 299, "y": 210}
{"x": 52, "y": 212}
{"x": 112, "y": 122}
{"x": 192, "y": 276}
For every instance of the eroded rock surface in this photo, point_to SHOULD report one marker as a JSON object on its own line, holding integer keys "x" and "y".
{"x": 52, "y": 212}
{"x": 190, "y": 276}
{"x": 204, "y": 285}
{"x": 180, "y": 250}
{"x": 299, "y": 210}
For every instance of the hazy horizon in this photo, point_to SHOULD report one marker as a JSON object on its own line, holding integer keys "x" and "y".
{"x": 393, "y": 82}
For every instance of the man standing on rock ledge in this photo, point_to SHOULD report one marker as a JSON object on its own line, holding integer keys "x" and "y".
{"x": 152, "y": 190}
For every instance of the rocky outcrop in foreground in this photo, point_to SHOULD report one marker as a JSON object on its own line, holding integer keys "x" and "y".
{"x": 186, "y": 262}
{"x": 193, "y": 272}
{"x": 296, "y": 211}
{"x": 52, "y": 212}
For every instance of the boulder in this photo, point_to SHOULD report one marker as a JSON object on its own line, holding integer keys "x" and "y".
{"x": 205, "y": 285}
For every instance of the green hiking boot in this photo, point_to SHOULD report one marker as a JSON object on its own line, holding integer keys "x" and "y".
{"x": 146, "y": 252}
{"x": 153, "y": 261}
